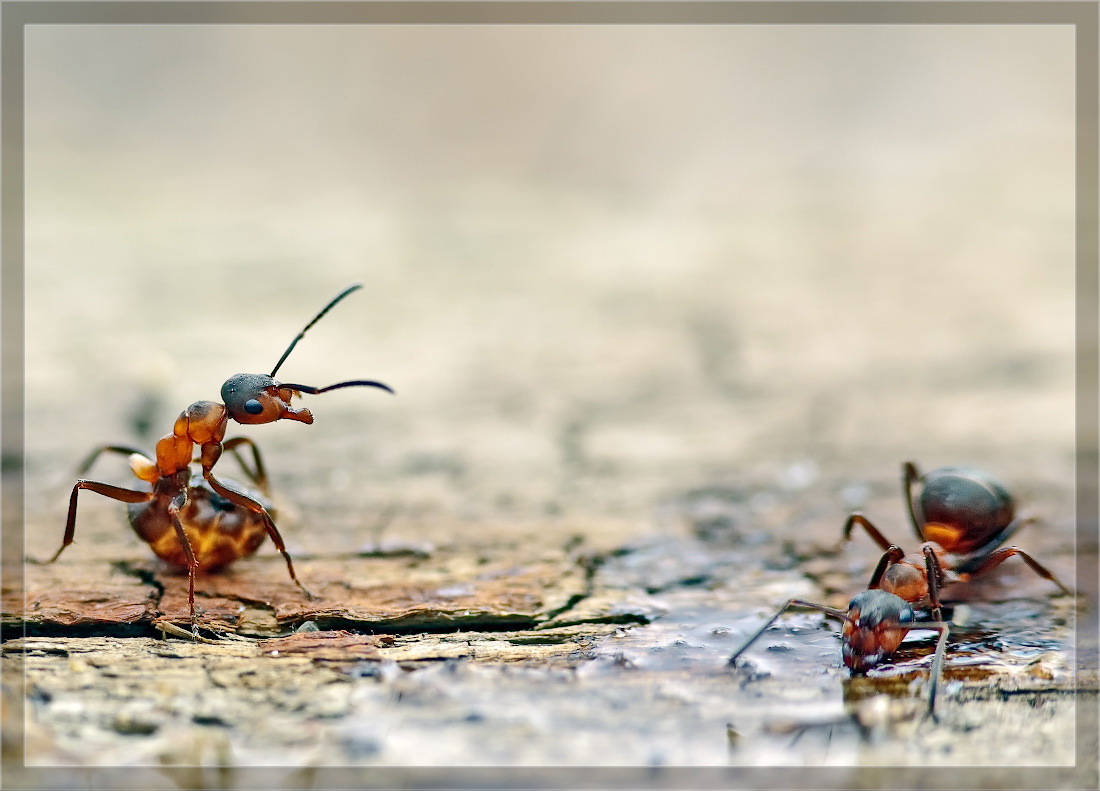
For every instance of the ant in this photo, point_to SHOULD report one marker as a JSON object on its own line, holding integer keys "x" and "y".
{"x": 199, "y": 522}
{"x": 962, "y": 516}
{"x": 872, "y": 629}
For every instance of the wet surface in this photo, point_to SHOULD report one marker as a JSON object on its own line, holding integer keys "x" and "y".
{"x": 526, "y": 642}
{"x": 631, "y": 671}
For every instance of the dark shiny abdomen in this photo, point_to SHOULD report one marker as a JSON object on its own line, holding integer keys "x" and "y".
{"x": 968, "y": 500}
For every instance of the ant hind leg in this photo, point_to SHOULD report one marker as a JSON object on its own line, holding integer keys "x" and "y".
{"x": 192, "y": 566}
{"x": 1001, "y": 555}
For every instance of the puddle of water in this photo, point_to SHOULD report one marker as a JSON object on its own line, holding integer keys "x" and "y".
{"x": 701, "y": 639}
{"x": 713, "y": 597}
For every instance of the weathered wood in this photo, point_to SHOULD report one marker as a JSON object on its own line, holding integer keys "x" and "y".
{"x": 446, "y": 590}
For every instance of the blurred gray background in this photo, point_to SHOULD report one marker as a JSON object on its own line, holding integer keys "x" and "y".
{"x": 602, "y": 264}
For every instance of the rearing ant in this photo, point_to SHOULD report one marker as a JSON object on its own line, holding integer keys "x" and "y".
{"x": 248, "y": 399}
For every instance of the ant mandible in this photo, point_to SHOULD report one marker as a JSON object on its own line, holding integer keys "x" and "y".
{"x": 873, "y": 627}
{"x": 962, "y": 516}
{"x": 200, "y": 522}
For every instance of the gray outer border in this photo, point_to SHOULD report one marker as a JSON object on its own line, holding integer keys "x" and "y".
{"x": 1083, "y": 15}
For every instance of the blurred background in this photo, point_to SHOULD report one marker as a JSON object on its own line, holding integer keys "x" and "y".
{"x": 603, "y": 265}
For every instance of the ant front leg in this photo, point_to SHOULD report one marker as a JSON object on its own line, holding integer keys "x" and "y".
{"x": 767, "y": 624}
{"x": 872, "y": 531}
{"x": 1001, "y": 555}
{"x": 893, "y": 555}
{"x": 192, "y": 566}
{"x": 934, "y": 572}
{"x": 107, "y": 490}
{"x": 208, "y": 457}
{"x": 937, "y": 662}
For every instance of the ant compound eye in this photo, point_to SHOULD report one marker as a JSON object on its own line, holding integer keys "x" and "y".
{"x": 243, "y": 396}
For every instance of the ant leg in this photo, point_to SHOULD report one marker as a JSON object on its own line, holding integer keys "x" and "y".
{"x": 934, "y": 572}
{"x": 767, "y": 624}
{"x": 258, "y": 475}
{"x": 173, "y": 510}
{"x": 893, "y": 554}
{"x": 244, "y": 501}
{"x": 125, "y": 450}
{"x": 1015, "y": 526}
{"x": 910, "y": 475}
{"x": 107, "y": 490}
{"x": 997, "y": 558}
{"x": 937, "y": 662}
{"x": 872, "y": 531}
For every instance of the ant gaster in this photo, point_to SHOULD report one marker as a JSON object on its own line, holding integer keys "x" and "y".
{"x": 873, "y": 627}
{"x": 200, "y": 522}
{"x": 962, "y": 516}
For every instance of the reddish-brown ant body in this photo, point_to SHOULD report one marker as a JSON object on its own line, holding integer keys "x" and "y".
{"x": 201, "y": 522}
{"x": 872, "y": 629}
{"x": 218, "y": 531}
{"x": 962, "y": 516}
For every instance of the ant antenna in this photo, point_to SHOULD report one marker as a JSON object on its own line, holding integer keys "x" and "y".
{"x": 317, "y": 318}
{"x": 354, "y": 383}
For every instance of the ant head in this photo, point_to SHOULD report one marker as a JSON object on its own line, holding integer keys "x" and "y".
{"x": 876, "y": 624}
{"x": 257, "y": 398}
